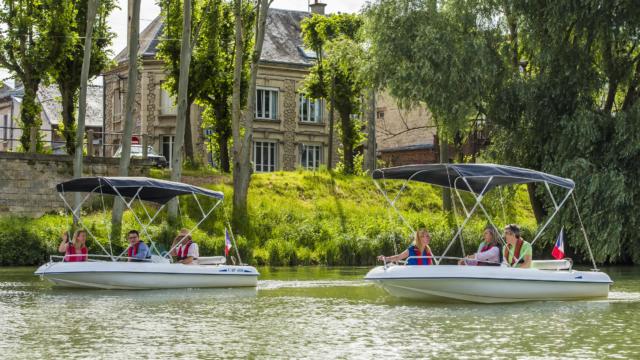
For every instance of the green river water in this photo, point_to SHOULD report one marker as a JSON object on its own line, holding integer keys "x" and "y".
{"x": 307, "y": 312}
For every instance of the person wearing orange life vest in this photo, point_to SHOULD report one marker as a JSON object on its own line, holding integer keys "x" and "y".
{"x": 184, "y": 249}
{"x": 138, "y": 250}
{"x": 76, "y": 249}
{"x": 488, "y": 253}
{"x": 517, "y": 253}
{"x": 419, "y": 253}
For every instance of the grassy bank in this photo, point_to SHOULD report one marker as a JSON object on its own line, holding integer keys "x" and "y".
{"x": 297, "y": 218}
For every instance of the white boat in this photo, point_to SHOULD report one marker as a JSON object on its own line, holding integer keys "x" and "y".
{"x": 158, "y": 272}
{"x": 545, "y": 280}
{"x": 146, "y": 275}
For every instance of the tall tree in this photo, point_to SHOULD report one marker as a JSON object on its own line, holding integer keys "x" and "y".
{"x": 67, "y": 71}
{"x": 336, "y": 76}
{"x": 35, "y": 36}
{"x": 92, "y": 6}
{"x": 132, "y": 85}
{"x": 242, "y": 119}
{"x": 436, "y": 56}
{"x": 183, "y": 112}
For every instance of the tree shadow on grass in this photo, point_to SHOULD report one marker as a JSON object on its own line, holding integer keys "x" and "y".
{"x": 339, "y": 208}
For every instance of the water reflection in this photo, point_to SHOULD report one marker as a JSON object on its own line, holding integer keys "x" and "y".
{"x": 306, "y": 313}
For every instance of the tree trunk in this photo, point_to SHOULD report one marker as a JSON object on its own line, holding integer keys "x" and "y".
{"x": 331, "y": 125}
{"x": 370, "y": 161}
{"x": 188, "y": 137}
{"x": 223, "y": 134}
{"x": 347, "y": 141}
{"x": 611, "y": 96}
{"x": 536, "y": 203}
{"x": 68, "y": 109}
{"x": 242, "y": 142}
{"x": 30, "y": 114}
{"x": 92, "y": 6}
{"x": 132, "y": 85}
{"x": 632, "y": 92}
{"x": 182, "y": 124}
{"x": 444, "y": 158}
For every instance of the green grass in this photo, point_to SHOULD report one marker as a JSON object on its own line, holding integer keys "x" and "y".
{"x": 299, "y": 218}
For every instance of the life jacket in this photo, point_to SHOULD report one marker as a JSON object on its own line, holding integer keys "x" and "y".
{"x": 486, "y": 247}
{"x": 133, "y": 250}
{"x": 72, "y": 256}
{"x": 413, "y": 251}
{"x": 183, "y": 250}
{"x": 516, "y": 253}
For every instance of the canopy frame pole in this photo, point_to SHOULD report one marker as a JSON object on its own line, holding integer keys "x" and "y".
{"x": 168, "y": 254}
{"x": 128, "y": 204}
{"x": 473, "y": 209}
{"x": 547, "y": 222}
{"x": 104, "y": 217}
{"x": 584, "y": 233}
{"x": 151, "y": 218}
{"x": 84, "y": 226}
{"x": 76, "y": 210}
{"x": 486, "y": 213}
{"x": 553, "y": 199}
{"x": 198, "y": 202}
{"x": 455, "y": 208}
{"x": 384, "y": 194}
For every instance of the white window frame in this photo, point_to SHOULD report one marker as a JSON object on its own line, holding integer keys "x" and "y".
{"x": 117, "y": 103}
{"x": 5, "y": 129}
{"x": 172, "y": 140}
{"x": 310, "y": 110}
{"x": 165, "y": 96}
{"x": 311, "y": 162}
{"x": 272, "y": 159}
{"x": 262, "y": 112}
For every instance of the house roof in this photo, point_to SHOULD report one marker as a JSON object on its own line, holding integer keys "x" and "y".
{"x": 49, "y": 99}
{"x": 282, "y": 40}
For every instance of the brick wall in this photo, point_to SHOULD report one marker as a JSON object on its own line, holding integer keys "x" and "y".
{"x": 27, "y": 181}
{"x": 408, "y": 157}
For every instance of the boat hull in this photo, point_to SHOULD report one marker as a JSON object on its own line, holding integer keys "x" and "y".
{"x": 118, "y": 275}
{"x": 484, "y": 284}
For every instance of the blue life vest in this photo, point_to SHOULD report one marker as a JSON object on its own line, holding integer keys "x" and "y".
{"x": 413, "y": 251}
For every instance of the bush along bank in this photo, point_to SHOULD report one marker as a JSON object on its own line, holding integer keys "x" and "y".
{"x": 296, "y": 218}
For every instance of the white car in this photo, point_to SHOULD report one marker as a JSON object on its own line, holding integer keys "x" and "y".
{"x": 136, "y": 152}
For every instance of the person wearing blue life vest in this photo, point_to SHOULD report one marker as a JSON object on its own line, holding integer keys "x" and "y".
{"x": 419, "y": 253}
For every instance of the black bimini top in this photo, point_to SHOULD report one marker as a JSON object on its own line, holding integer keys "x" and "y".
{"x": 154, "y": 190}
{"x": 477, "y": 175}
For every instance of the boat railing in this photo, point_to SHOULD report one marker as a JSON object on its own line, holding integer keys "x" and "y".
{"x": 95, "y": 258}
{"x": 454, "y": 259}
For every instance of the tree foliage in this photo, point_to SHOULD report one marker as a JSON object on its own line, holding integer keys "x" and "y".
{"x": 66, "y": 73}
{"x": 337, "y": 75}
{"x": 35, "y": 35}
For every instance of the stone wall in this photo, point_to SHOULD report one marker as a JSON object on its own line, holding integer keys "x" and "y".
{"x": 27, "y": 181}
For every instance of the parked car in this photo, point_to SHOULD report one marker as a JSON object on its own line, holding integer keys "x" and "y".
{"x": 136, "y": 152}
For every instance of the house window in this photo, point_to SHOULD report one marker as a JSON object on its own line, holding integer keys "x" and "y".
{"x": 264, "y": 156}
{"x": 310, "y": 110}
{"x": 167, "y": 147}
{"x": 117, "y": 102}
{"x": 266, "y": 104}
{"x": 167, "y": 103}
{"x": 310, "y": 156}
{"x": 380, "y": 114}
{"x": 6, "y": 125}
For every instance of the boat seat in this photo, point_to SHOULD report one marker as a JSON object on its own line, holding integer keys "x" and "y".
{"x": 212, "y": 260}
{"x": 564, "y": 264}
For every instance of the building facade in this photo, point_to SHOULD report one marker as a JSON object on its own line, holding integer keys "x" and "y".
{"x": 290, "y": 131}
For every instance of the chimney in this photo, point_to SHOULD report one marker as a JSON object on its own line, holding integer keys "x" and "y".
{"x": 317, "y": 7}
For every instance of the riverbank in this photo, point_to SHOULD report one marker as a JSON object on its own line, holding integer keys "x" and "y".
{"x": 296, "y": 218}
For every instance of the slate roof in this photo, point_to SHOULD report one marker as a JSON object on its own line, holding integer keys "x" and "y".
{"x": 49, "y": 98}
{"x": 282, "y": 40}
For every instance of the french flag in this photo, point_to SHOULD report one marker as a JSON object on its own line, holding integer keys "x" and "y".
{"x": 558, "y": 248}
{"x": 227, "y": 242}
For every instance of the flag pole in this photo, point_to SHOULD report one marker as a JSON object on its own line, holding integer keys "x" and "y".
{"x": 233, "y": 239}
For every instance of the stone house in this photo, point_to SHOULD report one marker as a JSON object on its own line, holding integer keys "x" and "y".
{"x": 290, "y": 130}
{"x": 51, "y": 117}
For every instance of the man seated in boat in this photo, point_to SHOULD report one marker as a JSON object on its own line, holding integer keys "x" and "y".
{"x": 488, "y": 252}
{"x": 76, "y": 249}
{"x": 419, "y": 253}
{"x": 517, "y": 253}
{"x": 185, "y": 250}
{"x": 138, "y": 250}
